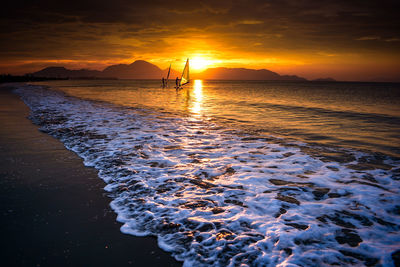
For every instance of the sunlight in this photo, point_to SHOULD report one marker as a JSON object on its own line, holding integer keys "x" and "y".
{"x": 198, "y": 93}
{"x": 199, "y": 63}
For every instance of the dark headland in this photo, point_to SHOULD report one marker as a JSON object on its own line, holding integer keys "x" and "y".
{"x": 53, "y": 210}
{"x": 141, "y": 69}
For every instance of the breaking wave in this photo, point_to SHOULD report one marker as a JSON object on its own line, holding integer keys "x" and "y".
{"x": 215, "y": 196}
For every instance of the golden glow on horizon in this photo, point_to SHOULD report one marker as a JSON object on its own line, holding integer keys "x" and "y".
{"x": 199, "y": 63}
{"x": 310, "y": 65}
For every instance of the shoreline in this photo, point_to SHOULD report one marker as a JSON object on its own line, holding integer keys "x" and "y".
{"x": 54, "y": 210}
{"x": 210, "y": 195}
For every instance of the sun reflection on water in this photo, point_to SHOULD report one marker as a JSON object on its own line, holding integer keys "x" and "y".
{"x": 198, "y": 97}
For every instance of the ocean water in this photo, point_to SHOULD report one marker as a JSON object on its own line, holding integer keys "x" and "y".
{"x": 240, "y": 173}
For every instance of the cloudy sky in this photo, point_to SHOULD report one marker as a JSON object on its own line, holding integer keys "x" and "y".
{"x": 346, "y": 40}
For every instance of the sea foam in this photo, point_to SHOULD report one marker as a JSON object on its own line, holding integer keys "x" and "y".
{"x": 219, "y": 197}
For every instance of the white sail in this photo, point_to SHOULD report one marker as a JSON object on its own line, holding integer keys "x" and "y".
{"x": 185, "y": 74}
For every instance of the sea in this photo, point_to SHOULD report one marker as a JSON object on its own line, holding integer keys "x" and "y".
{"x": 240, "y": 173}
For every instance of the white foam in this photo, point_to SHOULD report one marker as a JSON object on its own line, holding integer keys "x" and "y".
{"x": 217, "y": 198}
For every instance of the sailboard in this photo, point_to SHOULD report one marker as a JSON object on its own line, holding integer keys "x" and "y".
{"x": 169, "y": 71}
{"x": 185, "y": 75}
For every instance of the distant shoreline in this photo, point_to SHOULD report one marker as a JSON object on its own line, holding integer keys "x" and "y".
{"x": 7, "y": 78}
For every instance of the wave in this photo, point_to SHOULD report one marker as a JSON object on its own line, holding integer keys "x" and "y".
{"x": 350, "y": 115}
{"x": 216, "y": 197}
{"x": 344, "y": 128}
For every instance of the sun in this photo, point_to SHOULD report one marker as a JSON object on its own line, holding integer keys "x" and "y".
{"x": 199, "y": 63}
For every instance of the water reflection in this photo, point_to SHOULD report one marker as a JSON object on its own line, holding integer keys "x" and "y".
{"x": 198, "y": 98}
{"x": 361, "y": 115}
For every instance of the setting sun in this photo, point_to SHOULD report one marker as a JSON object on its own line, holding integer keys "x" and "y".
{"x": 199, "y": 63}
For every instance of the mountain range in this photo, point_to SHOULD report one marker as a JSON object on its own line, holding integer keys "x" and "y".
{"x": 245, "y": 74}
{"x": 141, "y": 69}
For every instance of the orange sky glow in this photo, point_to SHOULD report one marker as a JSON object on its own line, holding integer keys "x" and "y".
{"x": 334, "y": 39}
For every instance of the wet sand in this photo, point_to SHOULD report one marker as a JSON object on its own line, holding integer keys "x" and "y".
{"x": 53, "y": 210}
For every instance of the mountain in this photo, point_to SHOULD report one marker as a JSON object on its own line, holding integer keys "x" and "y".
{"x": 61, "y": 72}
{"x": 172, "y": 75}
{"x": 141, "y": 69}
{"x": 245, "y": 74}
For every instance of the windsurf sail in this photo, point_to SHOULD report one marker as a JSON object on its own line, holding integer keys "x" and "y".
{"x": 169, "y": 71}
{"x": 185, "y": 74}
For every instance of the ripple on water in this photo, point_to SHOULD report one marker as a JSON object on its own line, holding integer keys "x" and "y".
{"x": 216, "y": 197}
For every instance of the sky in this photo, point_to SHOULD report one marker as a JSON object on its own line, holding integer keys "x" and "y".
{"x": 345, "y": 40}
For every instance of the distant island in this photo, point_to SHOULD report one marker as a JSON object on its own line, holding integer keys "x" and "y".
{"x": 141, "y": 69}
{"x": 245, "y": 74}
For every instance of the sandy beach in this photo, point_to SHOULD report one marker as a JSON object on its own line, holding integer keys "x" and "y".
{"x": 54, "y": 211}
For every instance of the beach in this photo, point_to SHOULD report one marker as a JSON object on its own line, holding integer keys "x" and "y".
{"x": 54, "y": 210}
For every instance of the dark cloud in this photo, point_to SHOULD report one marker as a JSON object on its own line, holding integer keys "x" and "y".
{"x": 108, "y": 29}
{"x": 339, "y": 15}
